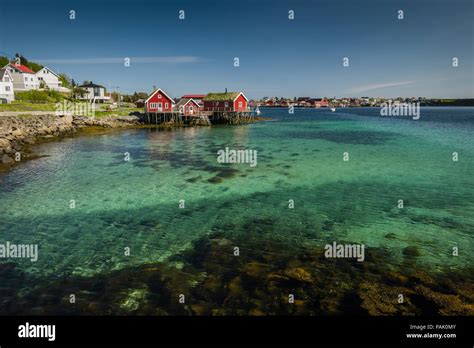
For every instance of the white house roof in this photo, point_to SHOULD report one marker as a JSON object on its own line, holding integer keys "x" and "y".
{"x": 185, "y": 101}
{"x": 158, "y": 90}
{"x": 51, "y": 71}
{"x": 4, "y": 72}
{"x": 243, "y": 95}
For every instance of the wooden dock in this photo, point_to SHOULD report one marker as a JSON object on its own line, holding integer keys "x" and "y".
{"x": 202, "y": 118}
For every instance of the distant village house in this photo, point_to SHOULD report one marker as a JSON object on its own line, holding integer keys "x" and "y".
{"x": 48, "y": 79}
{"x": 94, "y": 92}
{"x": 24, "y": 79}
{"x": 7, "y": 94}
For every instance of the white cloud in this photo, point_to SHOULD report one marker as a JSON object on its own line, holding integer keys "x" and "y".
{"x": 133, "y": 60}
{"x": 372, "y": 87}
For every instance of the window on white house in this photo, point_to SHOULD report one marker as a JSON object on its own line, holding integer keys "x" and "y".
{"x": 26, "y": 79}
{"x": 7, "y": 88}
{"x": 226, "y": 104}
{"x": 7, "y": 79}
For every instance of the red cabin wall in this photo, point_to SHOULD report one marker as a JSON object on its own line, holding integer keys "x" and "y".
{"x": 156, "y": 99}
{"x": 218, "y": 105}
{"x": 240, "y": 98}
{"x": 186, "y": 110}
{"x": 221, "y": 105}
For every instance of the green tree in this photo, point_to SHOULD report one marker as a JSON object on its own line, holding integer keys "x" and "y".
{"x": 65, "y": 80}
{"x": 32, "y": 65}
{"x": 4, "y": 61}
{"x": 79, "y": 92}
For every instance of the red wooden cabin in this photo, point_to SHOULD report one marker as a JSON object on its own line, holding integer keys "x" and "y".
{"x": 229, "y": 101}
{"x": 188, "y": 107}
{"x": 159, "y": 101}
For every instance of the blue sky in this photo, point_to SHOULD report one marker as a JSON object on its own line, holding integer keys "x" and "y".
{"x": 278, "y": 56}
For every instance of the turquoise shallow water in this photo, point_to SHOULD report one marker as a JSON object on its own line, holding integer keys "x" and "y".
{"x": 135, "y": 204}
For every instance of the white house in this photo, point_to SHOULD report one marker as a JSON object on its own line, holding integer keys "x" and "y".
{"x": 6, "y": 87}
{"x": 94, "y": 92}
{"x": 24, "y": 79}
{"x": 48, "y": 78}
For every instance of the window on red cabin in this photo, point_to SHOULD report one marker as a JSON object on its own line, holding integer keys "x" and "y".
{"x": 159, "y": 96}
{"x": 240, "y": 104}
{"x": 166, "y": 105}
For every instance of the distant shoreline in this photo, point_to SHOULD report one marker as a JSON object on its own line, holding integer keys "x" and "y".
{"x": 353, "y": 106}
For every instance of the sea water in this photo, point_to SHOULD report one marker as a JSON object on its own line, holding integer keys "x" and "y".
{"x": 99, "y": 203}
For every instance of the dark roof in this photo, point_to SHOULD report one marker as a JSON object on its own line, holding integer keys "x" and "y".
{"x": 194, "y": 96}
{"x": 90, "y": 84}
{"x": 183, "y": 101}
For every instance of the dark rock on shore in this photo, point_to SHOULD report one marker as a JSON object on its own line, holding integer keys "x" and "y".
{"x": 17, "y": 133}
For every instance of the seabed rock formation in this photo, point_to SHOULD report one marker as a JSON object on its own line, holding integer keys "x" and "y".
{"x": 209, "y": 280}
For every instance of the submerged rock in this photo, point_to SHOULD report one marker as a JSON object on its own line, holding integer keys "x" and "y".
{"x": 380, "y": 299}
{"x": 299, "y": 274}
{"x": 235, "y": 287}
{"x": 411, "y": 251}
{"x": 200, "y": 308}
{"x": 133, "y": 299}
{"x": 255, "y": 269}
{"x": 448, "y": 304}
{"x": 215, "y": 179}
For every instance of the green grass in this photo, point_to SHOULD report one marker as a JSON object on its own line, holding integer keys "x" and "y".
{"x": 27, "y": 106}
{"x": 120, "y": 112}
{"x": 19, "y": 105}
{"x": 230, "y": 96}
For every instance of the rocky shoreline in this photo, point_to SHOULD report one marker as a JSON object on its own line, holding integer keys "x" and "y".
{"x": 19, "y": 132}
